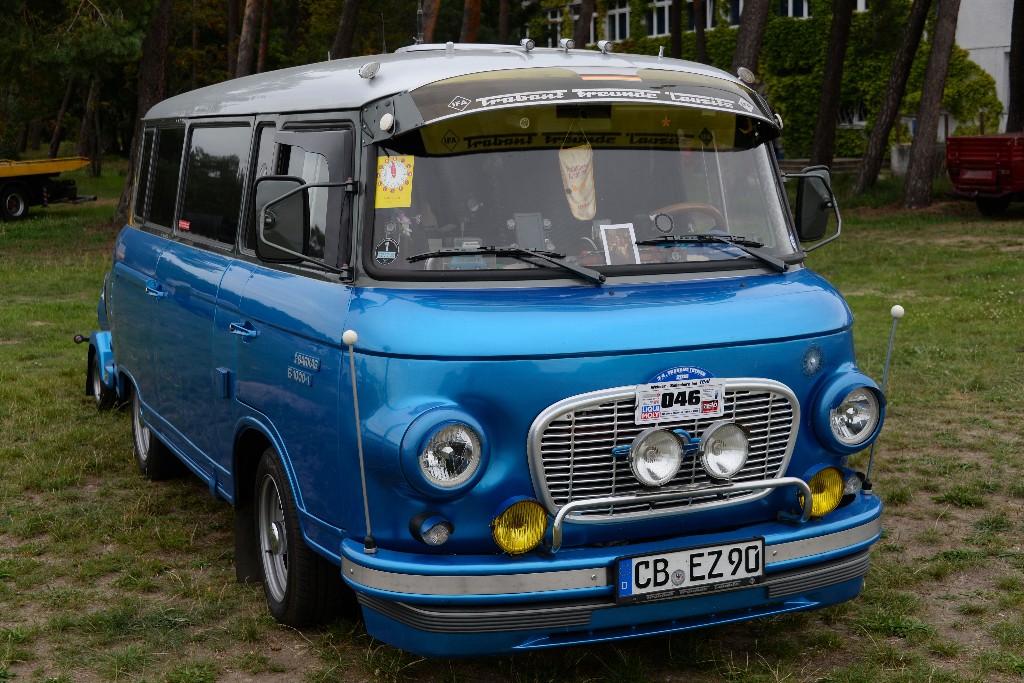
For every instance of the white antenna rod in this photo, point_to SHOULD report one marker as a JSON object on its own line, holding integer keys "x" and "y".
{"x": 896, "y": 312}
{"x": 350, "y": 338}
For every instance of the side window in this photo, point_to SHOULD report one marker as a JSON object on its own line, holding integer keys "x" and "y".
{"x": 164, "y": 187}
{"x": 218, "y": 159}
{"x": 312, "y": 168}
{"x": 141, "y": 209}
{"x": 264, "y": 166}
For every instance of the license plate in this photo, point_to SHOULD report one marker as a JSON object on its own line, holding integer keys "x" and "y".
{"x": 695, "y": 398}
{"x": 693, "y": 571}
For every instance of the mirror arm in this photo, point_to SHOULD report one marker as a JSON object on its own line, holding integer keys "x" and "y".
{"x": 831, "y": 204}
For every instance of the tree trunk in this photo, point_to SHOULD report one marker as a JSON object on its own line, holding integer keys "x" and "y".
{"x": 503, "y": 21}
{"x": 152, "y": 71}
{"x": 581, "y": 34}
{"x": 247, "y": 43}
{"x": 58, "y": 128}
{"x": 232, "y": 37}
{"x": 752, "y": 25}
{"x": 195, "y": 48}
{"x": 36, "y": 136}
{"x": 1015, "y": 116}
{"x": 921, "y": 169}
{"x": 261, "y": 59}
{"x": 470, "y": 21}
{"x": 890, "y": 109}
{"x": 699, "y": 21}
{"x": 346, "y": 33}
{"x": 675, "y": 29}
{"x": 85, "y": 141}
{"x": 430, "y": 10}
{"x": 96, "y": 159}
{"x": 823, "y": 147}
{"x": 23, "y": 139}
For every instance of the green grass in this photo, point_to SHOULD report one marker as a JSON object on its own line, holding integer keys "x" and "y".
{"x": 106, "y": 576}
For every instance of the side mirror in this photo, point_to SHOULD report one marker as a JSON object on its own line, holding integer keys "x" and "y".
{"x": 815, "y": 203}
{"x": 282, "y": 226}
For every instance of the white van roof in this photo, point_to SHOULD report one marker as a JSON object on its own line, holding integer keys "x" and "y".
{"x": 336, "y": 85}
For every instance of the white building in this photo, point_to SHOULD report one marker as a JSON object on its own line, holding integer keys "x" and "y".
{"x": 983, "y": 29}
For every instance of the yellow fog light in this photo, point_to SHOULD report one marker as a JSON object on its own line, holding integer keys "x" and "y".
{"x": 827, "y": 487}
{"x": 520, "y": 526}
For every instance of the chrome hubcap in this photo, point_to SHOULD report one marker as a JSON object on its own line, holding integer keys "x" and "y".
{"x": 273, "y": 539}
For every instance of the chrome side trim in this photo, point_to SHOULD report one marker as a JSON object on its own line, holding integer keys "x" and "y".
{"x": 571, "y": 579}
{"x": 559, "y": 615}
{"x": 767, "y": 484}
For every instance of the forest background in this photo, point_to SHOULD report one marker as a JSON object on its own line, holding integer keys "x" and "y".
{"x": 73, "y": 66}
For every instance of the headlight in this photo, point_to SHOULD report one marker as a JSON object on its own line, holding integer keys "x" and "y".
{"x": 655, "y": 456}
{"x": 451, "y": 455}
{"x": 853, "y": 421}
{"x": 723, "y": 450}
{"x": 520, "y": 526}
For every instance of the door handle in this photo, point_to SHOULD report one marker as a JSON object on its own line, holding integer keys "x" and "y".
{"x": 154, "y": 289}
{"x": 245, "y": 330}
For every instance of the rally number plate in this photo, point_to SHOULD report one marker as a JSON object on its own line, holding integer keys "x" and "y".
{"x": 695, "y": 398}
{"x": 694, "y": 571}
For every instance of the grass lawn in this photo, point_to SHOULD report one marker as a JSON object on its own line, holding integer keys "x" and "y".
{"x": 105, "y": 576}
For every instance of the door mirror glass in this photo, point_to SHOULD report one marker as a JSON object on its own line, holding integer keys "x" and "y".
{"x": 815, "y": 203}
{"x": 283, "y": 225}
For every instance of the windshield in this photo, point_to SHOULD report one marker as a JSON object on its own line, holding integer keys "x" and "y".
{"x": 593, "y": 184}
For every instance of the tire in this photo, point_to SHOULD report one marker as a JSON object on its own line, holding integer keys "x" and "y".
{"x": 301, "y": 587}
{"x": 13, "y": 202}
{"x": 155, "y": 460}
{"x": 992, "y": 206}
{"x": 104, "y": 396}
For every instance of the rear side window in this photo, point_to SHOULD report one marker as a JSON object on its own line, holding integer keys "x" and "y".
{"x": 164, "y": 186}
{"x": 217, "y": 163}
{"x": 145, "y": 173}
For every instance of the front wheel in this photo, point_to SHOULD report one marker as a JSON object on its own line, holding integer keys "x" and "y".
{"x": 13, "y": 202}
{"x": 302, "y": 588}
{"x": 155, "y": 460}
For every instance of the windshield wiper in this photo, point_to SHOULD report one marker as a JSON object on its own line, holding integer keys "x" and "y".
{"x": 525, "y": 255}
{"x": 744, "y": 244}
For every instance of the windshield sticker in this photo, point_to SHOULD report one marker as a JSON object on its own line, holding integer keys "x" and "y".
{"x": 605, "y": 93}
{"x": 183, "y": 224}
{"x": 577, "y": 166}
{"x": 701, "y": 100}
{"x": 746, "y": 105}
{"x": 503, "y": 141}
{"x": 680, "y": 374}
{"x": 620, "y": 245}
{"x": 394, "y": 181}
{"x": 518, "y": 97}
{"x": 386, "y": 252}
{"x": 459, "y": 103}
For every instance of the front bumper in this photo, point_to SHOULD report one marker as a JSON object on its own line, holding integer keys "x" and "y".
{"x": 450, "y": 606}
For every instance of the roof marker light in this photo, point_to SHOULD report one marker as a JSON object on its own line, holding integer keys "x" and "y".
{"x": 605, "y": 46}
{"x": 527, "y": 43}
{"x": 369, "y": 70}
{"x": 566, "y": 43}
{"x": 746, "y": 75}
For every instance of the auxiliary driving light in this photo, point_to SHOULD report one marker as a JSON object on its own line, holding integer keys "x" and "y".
{"x": 827, "y": 488}
{"x": 655, "y": 456}
{"x": 434, "y": 530}
{"x": 520, "y": 525}
{"x": 723, "y": 450}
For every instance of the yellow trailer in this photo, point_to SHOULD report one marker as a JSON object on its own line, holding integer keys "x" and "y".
{"x": 34, "y": 183}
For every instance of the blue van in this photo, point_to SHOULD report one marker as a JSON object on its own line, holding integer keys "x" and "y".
{"x": 512, "y": 348}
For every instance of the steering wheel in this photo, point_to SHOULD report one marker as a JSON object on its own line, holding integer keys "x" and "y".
{"x": 673, "y": 210}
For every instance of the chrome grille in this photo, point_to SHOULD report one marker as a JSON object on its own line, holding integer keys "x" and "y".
{"x": 571, "y": 449}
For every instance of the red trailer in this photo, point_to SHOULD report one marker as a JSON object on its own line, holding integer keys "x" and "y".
{"x": 988, "y": 169}
{"x": 34, "y": 183}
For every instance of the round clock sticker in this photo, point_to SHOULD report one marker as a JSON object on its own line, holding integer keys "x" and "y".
{"x": 394, "y": 181}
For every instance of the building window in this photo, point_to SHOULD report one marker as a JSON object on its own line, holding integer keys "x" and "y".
{"x": 658, "y": 18}
{"x": 862, "y": 5}
{"x": 794, "y": 8}
{"x": 735, "y": 11}
{"x": 618, "y": 19}
{"x": 710, "y": 17}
